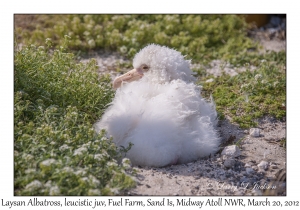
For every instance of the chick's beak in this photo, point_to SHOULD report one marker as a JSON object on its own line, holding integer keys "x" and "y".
{"x": 130, "y": 76}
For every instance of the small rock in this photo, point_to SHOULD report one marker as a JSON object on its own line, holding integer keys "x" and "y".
{"x": 244, "y": 179}
{"x": 140, "y": 177}
{"x": 249, "y": 170}
{"x": 263, "y": 165}
{"x": 247, "y": 165}
{"x": 246, "y": 131}
{"x": 254, "y": 132}
{"x": 256, "y": 192}
{"x": 255, "y": 168}
{"x": 231, "y": 151}
{"x": 148, "y": 186}
{"x": 229, "y": 163}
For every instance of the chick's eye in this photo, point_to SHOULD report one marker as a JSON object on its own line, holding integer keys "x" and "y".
{"x": 145, "y": 68}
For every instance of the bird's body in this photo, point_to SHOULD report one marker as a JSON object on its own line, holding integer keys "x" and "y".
{"x": 163, "y": 113}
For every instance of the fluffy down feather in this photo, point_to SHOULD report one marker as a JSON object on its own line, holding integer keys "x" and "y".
{"x": 163, "y": 113}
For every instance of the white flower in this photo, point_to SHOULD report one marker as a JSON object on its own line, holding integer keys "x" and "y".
{"x": 104, "y": 153}
{"x": 48, "y": 184}
{"x": 34, "y": 185}
{"x": 91, "y": 43}
{"x": 29, "y": 171}
{"x": 74, "y": 113}
{"x": 67, "y": 169}
{"x": 123, "y": 49}
{"x": 257, "y": 77}
{"x": 94, "y": 192}
{"x": 95, "y": 181}
{"x": 98, "y": 156}
{"x": 87, "y": 144}
{"x": 80, "y": 172}
{"x": 27, "y": 156}
{"x": 126, "y": 163}
{"x": 264, "y": 81}
{"x": 244, "y": 86}
{"x": 64, "y": 147}
{"x": 67, "y": 37}
{"x": 111, "y": 163}
{"x": 48, "y": 162}
{"x": 86, "y": 33}
{"x": 54, "y": 190}
{"x": 79, "y": 151}
{"x": 84, "y": 179}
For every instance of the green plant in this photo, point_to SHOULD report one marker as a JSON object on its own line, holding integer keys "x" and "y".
{"x": 56, "y": 150}
{"x": 251, "y": 94}
{"x": 200, "y": 37}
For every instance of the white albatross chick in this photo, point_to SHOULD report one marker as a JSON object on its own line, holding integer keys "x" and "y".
{"x": 159, "y": 109}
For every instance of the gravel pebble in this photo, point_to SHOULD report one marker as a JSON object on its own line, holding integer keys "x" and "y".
{"x": 229, "y": 163}
{"x": 263, "y": 165}
{"x": 247, "y": 165}
{"x": 254, "y": 132}
{"x": 231, "y": 151}
{"x": 249, "y": 170}
{"x": 257, "y": 192}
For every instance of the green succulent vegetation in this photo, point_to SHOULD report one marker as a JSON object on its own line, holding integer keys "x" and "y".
{"x": 57, "y": 99}
{"x": 251, "y": 95}
{"x": 56, "y": 150}
{"x": 201, "y": 37}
